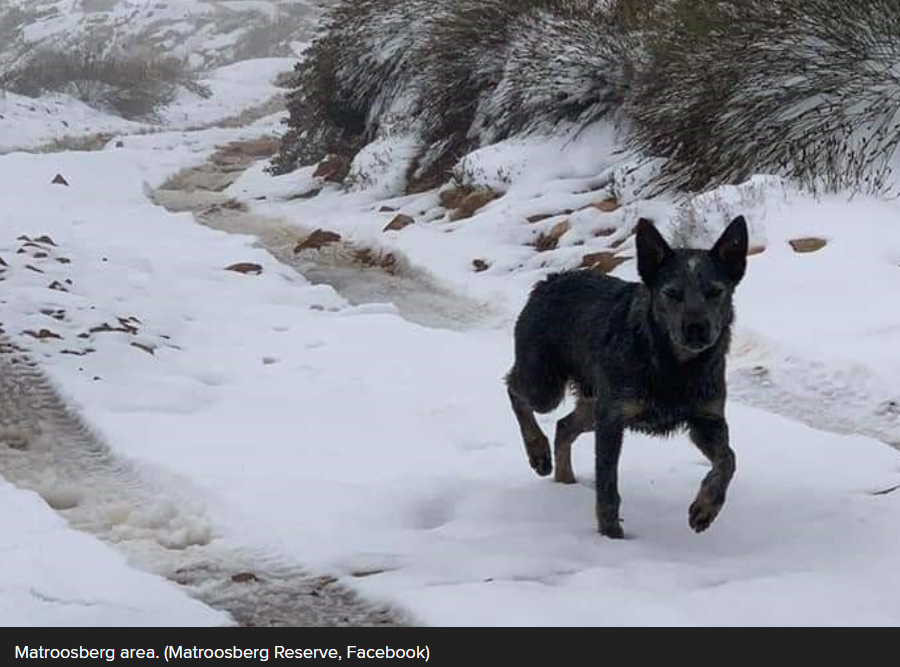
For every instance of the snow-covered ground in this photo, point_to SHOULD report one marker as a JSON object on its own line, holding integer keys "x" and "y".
{"x": 60, "y": 122}
{"x": 364, "y": 445}
{"x": 207, "y": 33}
{"x": 53, "y": 575}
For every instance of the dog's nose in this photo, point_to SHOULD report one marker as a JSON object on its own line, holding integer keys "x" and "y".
{"x": 696, "y": 333}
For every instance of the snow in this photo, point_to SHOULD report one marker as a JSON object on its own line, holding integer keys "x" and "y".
{"x": 55, "y": 576}
{"x": 359, "y": 427}
{"x": 208, "y": 33}
{"x": 233, "y": 89}
{"x": 27, "y": 123}
{"x": 358, "y": 443}
{"x": 36, "y": 123}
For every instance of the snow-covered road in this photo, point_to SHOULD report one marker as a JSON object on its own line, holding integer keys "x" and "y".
{"x": 257, "y": 423}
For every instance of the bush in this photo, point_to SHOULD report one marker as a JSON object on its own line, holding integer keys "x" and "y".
{"x": 459, "y": 73}
{"x": 720, "y": 90}
{"x": 352, "y": 79}
{"x": 132, "y": 85}
{"x": 496, "y": 69}
{"x": 807, "y": 89}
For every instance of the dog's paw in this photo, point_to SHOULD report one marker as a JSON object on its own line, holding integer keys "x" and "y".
{"x": 541, "y": 463}
{"x": 609, "y": 524}
{"x": 612, "y": 530}
{"x": 703, "y": 513}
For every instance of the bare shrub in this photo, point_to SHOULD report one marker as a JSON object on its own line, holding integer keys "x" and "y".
{"x": 133, "y": 85}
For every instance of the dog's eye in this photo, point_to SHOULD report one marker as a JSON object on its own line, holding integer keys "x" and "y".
{"x": 714, "y": 293}
{"x": 675, "y": 295}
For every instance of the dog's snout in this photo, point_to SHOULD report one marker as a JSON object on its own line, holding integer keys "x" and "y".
{"x": 697, "y": 333}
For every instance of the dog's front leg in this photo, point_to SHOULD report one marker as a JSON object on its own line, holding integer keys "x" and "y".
{"x": 710, "y": 434}
{"x": 609, "y": 432}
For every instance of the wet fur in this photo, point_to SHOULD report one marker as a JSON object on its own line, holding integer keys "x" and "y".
{"x": 612, "y": 341}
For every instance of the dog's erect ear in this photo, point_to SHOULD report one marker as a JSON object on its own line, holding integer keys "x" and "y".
{"x": 652, "y": 251}
{"x": 730, "y": 251}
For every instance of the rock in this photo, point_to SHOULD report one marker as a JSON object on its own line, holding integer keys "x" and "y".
{"x": 43, "y": 334}
{"x": 549, "y": 240}
{"x": 309, "y": 194}
{"x": 239, "y": 155}
{"x": 452, "y": 198}
{"x": 366, "y": 573}
{"x": 256, "y": 148}
{"x": 399, "y": 223}
{"x": 105, "y": 328}
{"x": 387, "y": 209}
{"x": 59, "y": 180}
{"x": 808, "y": 245}
{"x": 247, "y": 268}
{"x": 79, "y": 353}
{"x": 540, "y": 217}
{"x": 756, "y": 250}
{"x": 334, "y": 169}
{"x": 604, "y": 262}
{"x": 57, "y": 286}
{"x": 367, "y": 257}
{"x": 244, "y": 578}
{"x": 608, "y": 205}
{"x": 55, "y": 314}
{"x": 46, "y": 240}
{"x": 149, "y": 349}
{"x": 317, "y": 240}
{"x": 473, "y": 202}
{"x": 480, "y": 265}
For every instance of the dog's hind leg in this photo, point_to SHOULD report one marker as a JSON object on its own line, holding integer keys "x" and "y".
{"x": 537, "y": 447}
{"x": 580, "y": 420}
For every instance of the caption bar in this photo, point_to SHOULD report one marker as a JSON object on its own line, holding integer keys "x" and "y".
{"x": 230, "y": 653}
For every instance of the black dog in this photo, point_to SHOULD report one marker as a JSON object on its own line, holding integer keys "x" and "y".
{"x": 644, "y": 356}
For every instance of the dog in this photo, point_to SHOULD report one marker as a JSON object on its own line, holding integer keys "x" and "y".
{"x": 646, "y": 356}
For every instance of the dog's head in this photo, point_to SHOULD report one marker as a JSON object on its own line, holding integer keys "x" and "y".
{"x": 691, "y": 290}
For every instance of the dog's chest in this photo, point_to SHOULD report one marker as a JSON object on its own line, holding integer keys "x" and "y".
{"x": 656, "y": 417}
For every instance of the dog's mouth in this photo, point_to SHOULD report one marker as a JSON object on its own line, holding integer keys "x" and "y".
{"x": 698, "y": 345}
{"x": 692, "y": 348}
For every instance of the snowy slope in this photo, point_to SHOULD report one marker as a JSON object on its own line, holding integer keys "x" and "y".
{"x": 208, "y": 32}
{"x": 384, "y": 451}
{"x": 59, "y": 122}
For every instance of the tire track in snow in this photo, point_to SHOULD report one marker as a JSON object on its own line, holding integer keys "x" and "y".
{"x": 827, "y": 396}
{"x": 45, "y": 447}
